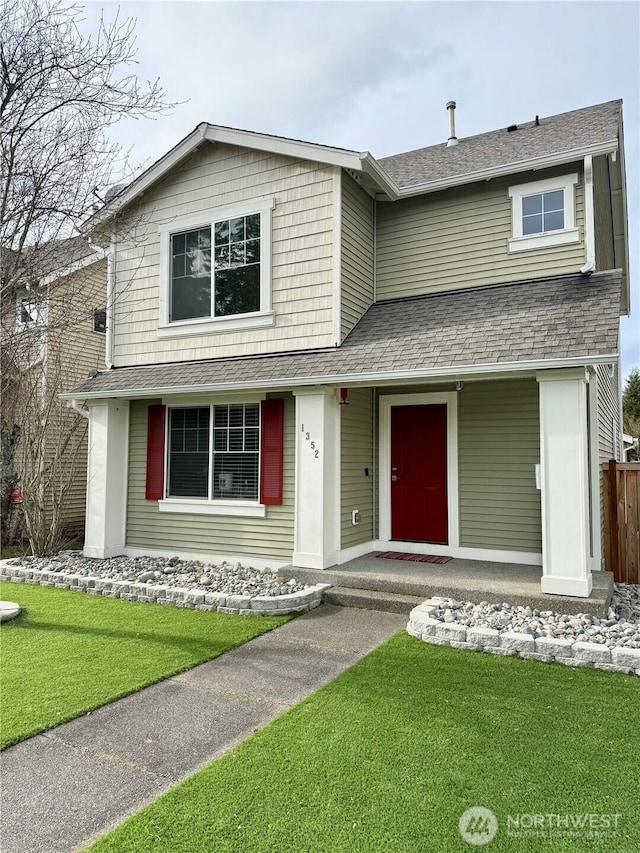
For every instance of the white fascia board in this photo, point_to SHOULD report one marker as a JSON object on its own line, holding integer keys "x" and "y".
{"x": 436, "y": 374}
{"x": 286, "y": 147}
{"x": 156, "y": 171}
{"x": 385, "y": 182}
{"x": 534, "y": 163}
{"x": 228, "y": 136}
{"x": 75, "y": 267}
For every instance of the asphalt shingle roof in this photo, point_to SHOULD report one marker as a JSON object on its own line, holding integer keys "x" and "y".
{"x": 558, "y": 134}
{"x": 565, "y": 317}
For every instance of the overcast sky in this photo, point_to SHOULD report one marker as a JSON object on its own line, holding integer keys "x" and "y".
{"x": 376, "y": 76}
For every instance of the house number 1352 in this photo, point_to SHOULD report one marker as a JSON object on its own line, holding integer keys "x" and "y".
{"x": 307, "y": 436}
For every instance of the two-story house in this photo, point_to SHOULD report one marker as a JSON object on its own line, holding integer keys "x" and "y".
{"x": 52, "y": 322}
{"x": 314, "y": 354}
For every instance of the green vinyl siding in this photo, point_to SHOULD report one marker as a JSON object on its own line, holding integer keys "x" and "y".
{"x": 271, "y": 536}
{"x": 356, "y": 455}
{"x": 459, "y": 237}
{"x": 356, "y": 256}
{"x": 499, "y": 446}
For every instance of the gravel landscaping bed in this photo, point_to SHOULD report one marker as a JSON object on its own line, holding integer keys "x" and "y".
{"x": 169, "y": 580}
{"x": 612, "y": 644}
{"x": 620, "y": 628}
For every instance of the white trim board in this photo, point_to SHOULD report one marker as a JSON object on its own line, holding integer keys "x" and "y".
{"x": 504, "y": 370}
{"x": 450, "y": 399}
{"x": 526, "y": 558}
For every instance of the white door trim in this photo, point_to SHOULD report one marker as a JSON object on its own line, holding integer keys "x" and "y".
{"x": 450, "y": 399}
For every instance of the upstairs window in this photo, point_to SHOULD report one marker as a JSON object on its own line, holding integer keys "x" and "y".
{"x": 100, "y": 320}
{"x": 30, "y": 312}
{"x": 543, "y": 213}
{"x": 218, "y": 271}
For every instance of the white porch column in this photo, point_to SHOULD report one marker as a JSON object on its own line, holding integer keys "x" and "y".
{"x": 107, "y": 467}
{"x": 317, "y": 510}
{"x": 565, "y": 482}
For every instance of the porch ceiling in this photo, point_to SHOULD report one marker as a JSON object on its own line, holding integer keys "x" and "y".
{"x": 494, "y": 328}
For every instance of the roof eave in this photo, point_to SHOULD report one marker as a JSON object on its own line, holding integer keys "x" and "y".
{"x": 214, "y": 133}
{"x": 453, "y": 372}
{"x": 534, "y": 163}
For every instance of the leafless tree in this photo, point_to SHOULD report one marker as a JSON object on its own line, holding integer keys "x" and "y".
{"x": 60, "y": 94}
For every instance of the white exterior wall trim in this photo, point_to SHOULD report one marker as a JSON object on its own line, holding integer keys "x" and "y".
{"x": 565, "y": 482}
{"x": 594, "y": 471}
{"x": 337, "y": 255}
{"x": 589, "y": 218}
{"x": 525, "y": 558}
{"x": 446, "y": 374}
{"x": 450, "y": 399}
{"x": 317, "y": 480}
{"x": 491, "y": 555}
{"x": 107, "y": 473}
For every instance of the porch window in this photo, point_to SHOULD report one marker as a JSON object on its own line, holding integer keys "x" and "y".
{"x": 216, "y": 459}
{"x": 223, "y": 469}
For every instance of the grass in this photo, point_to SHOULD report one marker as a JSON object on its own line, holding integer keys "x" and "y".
{"x": 390, "y": 754}
{"x": 68, "y": 653}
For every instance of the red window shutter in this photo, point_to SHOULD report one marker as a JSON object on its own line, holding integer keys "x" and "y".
{"x": 271, "y": 451}
{"x": 155, "y": 453}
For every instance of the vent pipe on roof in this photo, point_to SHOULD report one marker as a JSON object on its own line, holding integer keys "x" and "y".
{"x": 453, "y": 139}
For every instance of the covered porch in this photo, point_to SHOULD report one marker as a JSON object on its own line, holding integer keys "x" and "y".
{"x": 400, "y": 584}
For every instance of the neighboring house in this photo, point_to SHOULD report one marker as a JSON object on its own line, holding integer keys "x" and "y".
{"x": 53, "y": 335}
{"x": 315, "y": 354}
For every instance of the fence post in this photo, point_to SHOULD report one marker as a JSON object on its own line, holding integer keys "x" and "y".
{"x": 613, "y": 519}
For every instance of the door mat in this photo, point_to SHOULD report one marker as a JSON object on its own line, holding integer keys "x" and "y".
{"x": 414, "y": 558}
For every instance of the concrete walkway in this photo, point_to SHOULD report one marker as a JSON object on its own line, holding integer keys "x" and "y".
{"x": 62, "y": 789}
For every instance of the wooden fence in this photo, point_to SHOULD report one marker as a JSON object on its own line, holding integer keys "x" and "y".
{"x": 622, "y": 521}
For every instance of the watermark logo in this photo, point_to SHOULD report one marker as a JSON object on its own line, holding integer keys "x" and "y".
{"x": 589, "y": 825}
{"x": 478, "y": 826}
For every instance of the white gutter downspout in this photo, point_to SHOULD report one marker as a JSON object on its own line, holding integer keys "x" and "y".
{"x": 111, "y": 275}
{"x": 589, "y": 219}
{"x": 77, "y": 406}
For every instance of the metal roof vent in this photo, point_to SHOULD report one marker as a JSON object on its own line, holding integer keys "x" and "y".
{"x": 453, "y": 139}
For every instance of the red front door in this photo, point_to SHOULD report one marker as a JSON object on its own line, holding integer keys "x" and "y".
{"x": 419, "y": 473}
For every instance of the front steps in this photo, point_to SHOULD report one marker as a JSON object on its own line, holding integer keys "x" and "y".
{"x": 369, "y": 599}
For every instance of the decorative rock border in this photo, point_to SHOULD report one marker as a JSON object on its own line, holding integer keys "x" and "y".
{"x": 578, "y": 654}
{"x": 241, "y": 605}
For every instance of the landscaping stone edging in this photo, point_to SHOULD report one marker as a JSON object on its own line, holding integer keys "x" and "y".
{"x": 241, "y": 605}
{"x": 513, "y": 643}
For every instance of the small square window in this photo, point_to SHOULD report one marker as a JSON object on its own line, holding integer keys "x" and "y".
{"x": 543, "y": 214}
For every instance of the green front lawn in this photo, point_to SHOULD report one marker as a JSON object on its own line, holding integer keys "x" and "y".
{"x": 69, "y": 652}
{"x": 390, "y": 754}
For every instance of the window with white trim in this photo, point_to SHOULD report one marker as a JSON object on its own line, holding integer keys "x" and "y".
{"x": 543, "y": 213}
{"x": 30, "y": 312}
{"x": 216, "y": 270}
{"x": 213, "y": 452}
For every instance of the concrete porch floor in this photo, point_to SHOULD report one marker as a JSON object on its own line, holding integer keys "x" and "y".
{"x": 469, "y": 580}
